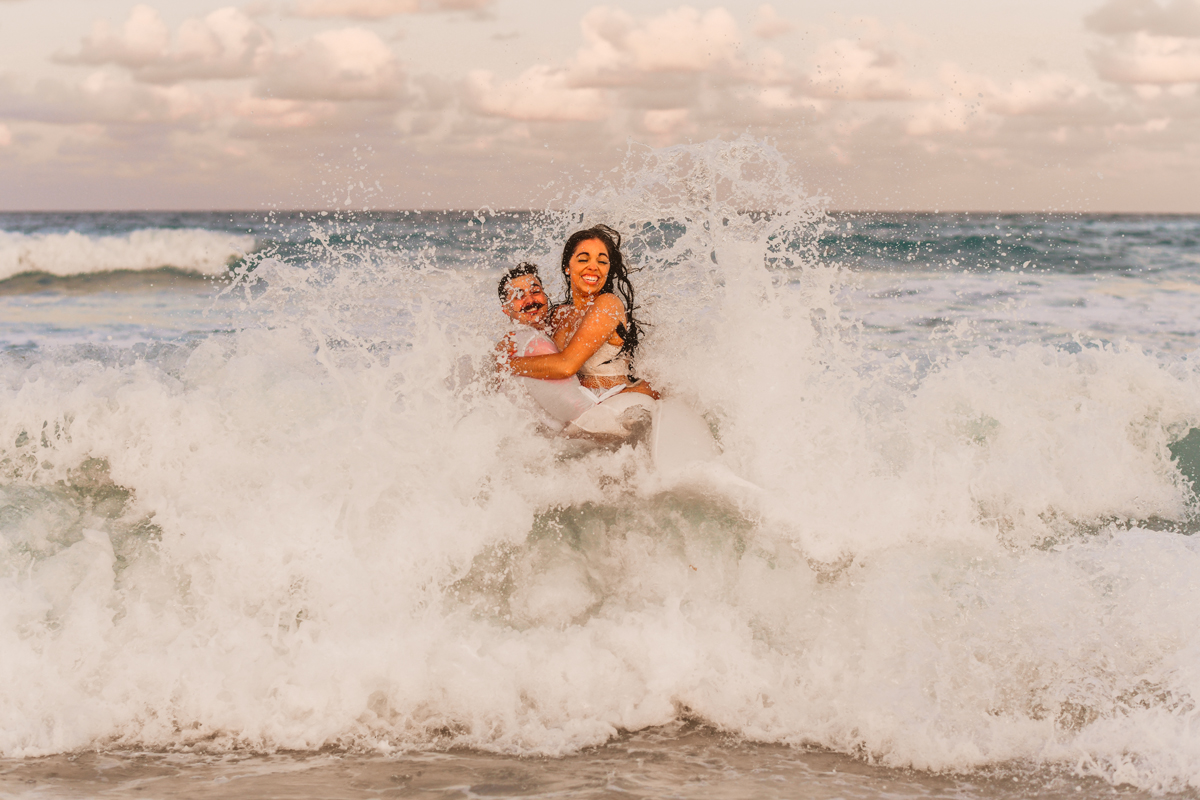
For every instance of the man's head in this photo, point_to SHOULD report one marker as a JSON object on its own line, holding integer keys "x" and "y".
{"x": 522, "y": 296}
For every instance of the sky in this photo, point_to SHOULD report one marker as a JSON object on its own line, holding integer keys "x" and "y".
{"x": 1008, "y": 105}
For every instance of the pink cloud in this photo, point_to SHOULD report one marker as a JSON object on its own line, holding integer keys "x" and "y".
{"x": 665, "y": 122}
{"x": 1146, "y": 58}
{"x": 142, "y": 40}
{"x": 276, "y": 114}
{"x": 1118, "y": 17}
{"x": 1049, "y": 93}
{"x": 846, "y": 69}
{"x": 682, "y": 40}
{"x": 538, "y": 94}
{"x": 225, "y": 44}
{"x": 381, "y": 9}
{"x": 769, "y": 25}
{"x": 345, "y": 64}
{"x": 948, "y": 115}
{"x": 974, "y": 102}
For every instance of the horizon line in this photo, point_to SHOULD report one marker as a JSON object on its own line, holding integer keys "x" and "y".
{"x": 498, "y": 211}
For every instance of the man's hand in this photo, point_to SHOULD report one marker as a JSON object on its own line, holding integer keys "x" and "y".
{"x": 506, "y": 350}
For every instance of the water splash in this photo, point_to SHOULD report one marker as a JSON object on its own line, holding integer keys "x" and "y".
{"x": 319, "y": 530}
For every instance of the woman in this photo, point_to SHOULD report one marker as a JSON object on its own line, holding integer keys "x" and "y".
{"x": 594, "y": 329}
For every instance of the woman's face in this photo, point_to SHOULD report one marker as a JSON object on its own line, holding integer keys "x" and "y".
{"x": 587, "y": 270}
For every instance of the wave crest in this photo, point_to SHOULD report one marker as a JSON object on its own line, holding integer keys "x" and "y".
{"x": 65, "y": 254}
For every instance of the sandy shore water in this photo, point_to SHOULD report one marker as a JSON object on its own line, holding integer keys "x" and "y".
{"x": 678, "y": 762}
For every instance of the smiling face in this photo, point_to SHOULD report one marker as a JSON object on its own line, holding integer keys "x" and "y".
{"x": 527, "y": 303}
{"x": 587, "y": 271}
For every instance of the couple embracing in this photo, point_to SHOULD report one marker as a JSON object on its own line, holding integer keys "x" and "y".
{"x": 576, "y": 358}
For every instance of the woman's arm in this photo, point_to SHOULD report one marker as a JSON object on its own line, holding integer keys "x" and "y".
{"x": 597, "y": 327}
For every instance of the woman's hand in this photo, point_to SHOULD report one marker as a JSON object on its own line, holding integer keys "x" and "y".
{"x": 643, "y": 388}
{"x": 597, "y": 327}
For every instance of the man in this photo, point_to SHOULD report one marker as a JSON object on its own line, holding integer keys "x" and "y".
{"x": 522, "y": 297}
{"x": 524, "y": 301}
{"x": 567, "y": 404}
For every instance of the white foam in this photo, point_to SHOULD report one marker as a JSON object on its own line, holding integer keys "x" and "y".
{"x": 330, "y": 542}
{"x": 73, "y": 253}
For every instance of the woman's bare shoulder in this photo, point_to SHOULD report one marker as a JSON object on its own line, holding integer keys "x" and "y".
{"x": 609, "y": 303}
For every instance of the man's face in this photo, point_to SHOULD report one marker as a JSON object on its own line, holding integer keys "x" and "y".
{"x": 527, "y": 303}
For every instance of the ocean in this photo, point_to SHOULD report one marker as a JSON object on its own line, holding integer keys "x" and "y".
{"x": 272, "y": 527}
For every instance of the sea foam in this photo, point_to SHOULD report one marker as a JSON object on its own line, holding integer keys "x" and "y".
{"x": 329, "y": 529}
{"x": 73, "y": 253}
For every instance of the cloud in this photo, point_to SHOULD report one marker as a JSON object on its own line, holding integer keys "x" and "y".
{"x": 948, "y": 115}
{"x": 1118, "y": 17}
{"x": 142, "y": 40}
{"x": 336, "y": 80}
{"x": 619, "y": 50}
{"x": 381, "y": 9}
{"x": 1047, "y": 94}
{"x": 1146, "y": 43}
{"x": 973, "y": 102}
{"x": 109, "y": 98}
{"x": 275, "y": 114}
{"x": 654, "y": 64}
{"x": 1143, "y": 58}
{"x": 114, "y": 98}
{"x": 349, "y": 64}
{"x": 226, "y": 44}
{"x": 685, "y": 71}
{"x": 665, "y": 122}
{"x": 345, "y": 64}
{"x": 769, "y": 25}
{"x": 845, "y": 69}
{"x": 1125, "y": 130}
{"x": 5, "y": 135}
{"x": 539, "y": 94}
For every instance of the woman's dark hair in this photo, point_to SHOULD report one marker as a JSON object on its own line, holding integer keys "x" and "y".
{"x": 618, "y": 277}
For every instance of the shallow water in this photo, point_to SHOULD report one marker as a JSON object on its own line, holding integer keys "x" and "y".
{"x": 679, "y": 762}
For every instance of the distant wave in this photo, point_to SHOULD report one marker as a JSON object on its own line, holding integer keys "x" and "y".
{"x": 121, "y": 280}
{"x": 67, "y": 254}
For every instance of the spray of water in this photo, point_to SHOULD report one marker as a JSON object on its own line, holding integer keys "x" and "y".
{"x": 330, "y": 528}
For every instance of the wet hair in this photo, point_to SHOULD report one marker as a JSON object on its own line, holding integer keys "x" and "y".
{"x": 519, "y": 271}
{"x": 618, "y": 278}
